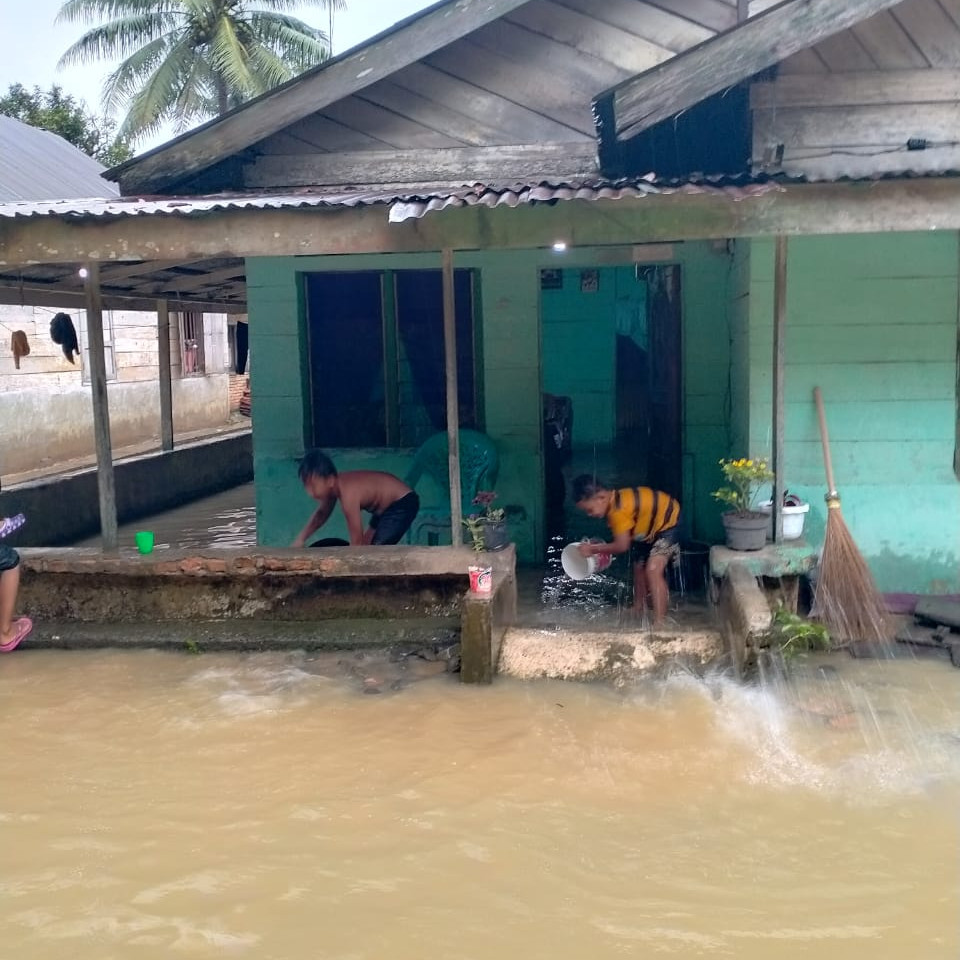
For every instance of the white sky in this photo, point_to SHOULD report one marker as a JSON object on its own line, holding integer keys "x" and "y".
{"x": 31, "y": 45}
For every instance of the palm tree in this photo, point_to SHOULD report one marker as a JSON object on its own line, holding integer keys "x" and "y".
{"x": 189, "y": 60}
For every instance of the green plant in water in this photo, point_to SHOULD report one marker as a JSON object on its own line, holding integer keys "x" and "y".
{"x": 794, "y": 635}
{"x": 193, "y": 647}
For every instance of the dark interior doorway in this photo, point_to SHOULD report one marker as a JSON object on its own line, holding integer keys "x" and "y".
{"x": 664, "y": 380}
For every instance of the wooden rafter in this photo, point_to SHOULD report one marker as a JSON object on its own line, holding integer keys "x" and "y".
{"x": 731, "y": 57}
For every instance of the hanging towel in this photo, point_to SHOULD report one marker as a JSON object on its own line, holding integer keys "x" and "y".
{"x": 63, "y": 332}
{"x": 20, "y": 346}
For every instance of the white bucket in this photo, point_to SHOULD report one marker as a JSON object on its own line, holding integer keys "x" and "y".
{"x": 793, "y": 518}
{"x": 578, "y": 567}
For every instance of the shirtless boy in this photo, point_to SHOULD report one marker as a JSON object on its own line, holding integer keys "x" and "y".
{"x": 392, "y": 505}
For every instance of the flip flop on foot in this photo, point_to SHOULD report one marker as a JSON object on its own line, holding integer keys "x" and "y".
{"x": 21, "y": 630}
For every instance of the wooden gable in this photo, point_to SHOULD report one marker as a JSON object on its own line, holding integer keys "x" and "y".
{"x": 467, "y": 90}
{"x": 882, "y": 97}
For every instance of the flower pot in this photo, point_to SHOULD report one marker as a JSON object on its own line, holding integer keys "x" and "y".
{"x": 793, "y": 518}
{"x": 495, "y": 534}
{"x": 746, "y": 531}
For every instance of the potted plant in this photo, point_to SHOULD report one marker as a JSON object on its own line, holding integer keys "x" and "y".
{"x": 488, "y": 526}
{"x": 746, "y": 528}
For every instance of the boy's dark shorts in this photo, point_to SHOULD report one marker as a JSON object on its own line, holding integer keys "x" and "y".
{"x": 666, "y": 542}
{"x": 395, "y": 521}
{"x": 9, "y": 558}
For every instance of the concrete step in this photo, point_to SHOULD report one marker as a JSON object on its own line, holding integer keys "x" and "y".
{"x": 618, "y": 656}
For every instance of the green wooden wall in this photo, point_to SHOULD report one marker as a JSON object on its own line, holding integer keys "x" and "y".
{"x": 872, "y": 320}
{"x": 510, "y": 298}
{"x": 578, "y": 333}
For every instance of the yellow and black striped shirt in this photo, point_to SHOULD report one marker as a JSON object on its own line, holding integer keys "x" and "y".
{"x": 643, "y": 512}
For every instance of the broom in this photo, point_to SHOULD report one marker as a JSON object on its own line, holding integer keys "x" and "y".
{"x": 847, "y": 601}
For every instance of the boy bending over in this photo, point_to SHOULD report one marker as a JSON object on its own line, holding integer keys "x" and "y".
{"x": 640, "y": 518}
{"x": 392, "y": 505}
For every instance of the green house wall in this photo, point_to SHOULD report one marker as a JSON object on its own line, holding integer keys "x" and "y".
{"x": 510, "y": 299}
{"x": 872, "y": 320}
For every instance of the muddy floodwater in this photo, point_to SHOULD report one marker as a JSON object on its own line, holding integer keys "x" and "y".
{"x": 269, "y": 806}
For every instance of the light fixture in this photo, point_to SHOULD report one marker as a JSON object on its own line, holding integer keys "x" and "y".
{"x": 559, "y": 246}
{"x": 83, "y": 273}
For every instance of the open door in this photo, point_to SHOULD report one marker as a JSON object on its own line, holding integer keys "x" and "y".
{"x": 648, "y": 388}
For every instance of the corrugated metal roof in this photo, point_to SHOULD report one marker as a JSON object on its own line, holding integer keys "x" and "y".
{"x": 406, "y": 202}
{"x": 37, "y": 165}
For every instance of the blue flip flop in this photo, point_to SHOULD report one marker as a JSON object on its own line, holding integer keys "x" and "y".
{"x": 10, "y": 524}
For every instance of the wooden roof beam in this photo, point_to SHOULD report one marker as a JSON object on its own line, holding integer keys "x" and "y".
{"x": 818, "y": 208}
{"x": 22, "y": 295}
{"x": 523, "y": 162}
{"x": 727, "y": 59}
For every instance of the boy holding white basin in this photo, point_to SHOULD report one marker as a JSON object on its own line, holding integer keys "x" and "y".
{"x": 643, "y": 521}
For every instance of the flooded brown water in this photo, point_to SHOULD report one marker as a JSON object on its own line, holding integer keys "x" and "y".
{"x": 161, "y": 805}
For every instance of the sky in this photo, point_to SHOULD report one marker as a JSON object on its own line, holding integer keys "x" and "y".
{"x": 31, "y": 44}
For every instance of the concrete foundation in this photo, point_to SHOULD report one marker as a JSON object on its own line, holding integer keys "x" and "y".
{"x": 336, "y": 598}
{"x": 618, "y": 657}
{"x": 65, "y": 509}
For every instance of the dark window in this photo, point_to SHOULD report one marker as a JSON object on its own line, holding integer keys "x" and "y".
{"x": 376, "y": 351}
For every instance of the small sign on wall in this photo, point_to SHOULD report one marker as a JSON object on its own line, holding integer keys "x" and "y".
{"x": 551, "y": 279}
{"x": 589, "y": 281}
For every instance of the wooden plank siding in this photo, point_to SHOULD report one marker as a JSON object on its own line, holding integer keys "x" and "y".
{"x": 858, "y": 124}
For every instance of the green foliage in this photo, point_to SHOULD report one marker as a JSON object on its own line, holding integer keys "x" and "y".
{"x": 61, "y": 114}
{"x": 794, "y": 635}
{"x": 184, "y": 61}
{"x": 475, "y": 527}
{"x": 744, "y": 478}
{"x": 193, "y": 647}
{"x": 476, "y": 522}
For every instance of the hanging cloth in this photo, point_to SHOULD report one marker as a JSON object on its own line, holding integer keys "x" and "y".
{"x": 20, "y": 346}
{"x": 63, "y": 332}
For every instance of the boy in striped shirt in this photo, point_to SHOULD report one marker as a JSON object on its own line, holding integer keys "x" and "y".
{"x": 643, "y": 521}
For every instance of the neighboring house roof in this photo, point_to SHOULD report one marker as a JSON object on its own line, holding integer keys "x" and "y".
{"x": 38, "y": 165}
{"x": 729, "y": 58}
{"x": 462, "y": 73}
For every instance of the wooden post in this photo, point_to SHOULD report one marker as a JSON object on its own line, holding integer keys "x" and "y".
{"x": 166, "y": 387}
{"x": 453, "y": 397}
{"x": 743, "y": 10}
{"x": 779, "y": 415}
{"x": 101, "y": 409}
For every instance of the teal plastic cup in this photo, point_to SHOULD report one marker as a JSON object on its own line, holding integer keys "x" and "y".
{"x": 144, "y": 540}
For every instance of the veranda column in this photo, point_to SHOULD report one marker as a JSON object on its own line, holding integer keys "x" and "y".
{"x": 779, "y": 414}
{"x": 166, "y": 388}
{"x": 453, "y": 393}
{"x": 101, "y": 410}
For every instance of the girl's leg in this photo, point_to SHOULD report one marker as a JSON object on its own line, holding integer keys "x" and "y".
{"x": 9, "y": 585}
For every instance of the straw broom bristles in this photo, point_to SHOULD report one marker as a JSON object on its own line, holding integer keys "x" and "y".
{"x": 847, "y": 601}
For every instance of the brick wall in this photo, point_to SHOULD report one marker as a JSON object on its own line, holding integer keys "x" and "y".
{"x": 238, "y": 383}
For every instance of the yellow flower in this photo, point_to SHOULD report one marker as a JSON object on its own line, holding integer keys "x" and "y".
{"x": 749, "y": 463}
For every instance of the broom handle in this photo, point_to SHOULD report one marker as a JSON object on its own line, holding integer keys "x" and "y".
{"x": 825, "y": 441}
